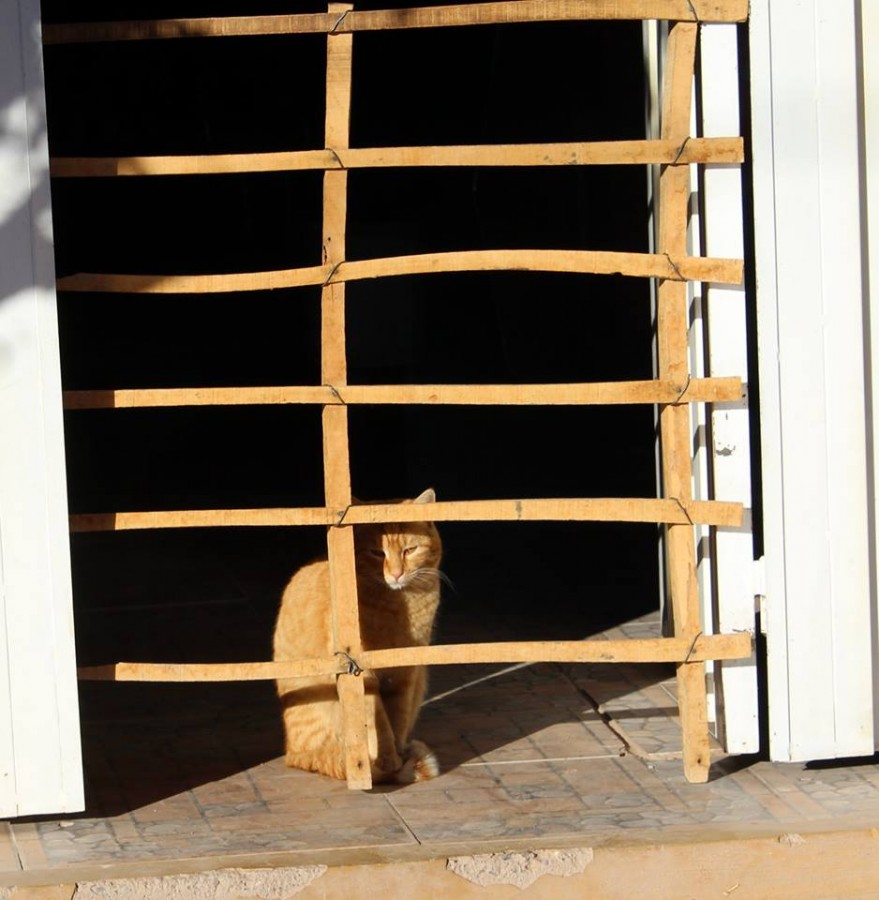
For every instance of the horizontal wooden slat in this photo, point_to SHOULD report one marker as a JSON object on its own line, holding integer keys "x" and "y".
{"x": 195, "y": 284}
{"x": 652, "y": 650}
{"x": 214, "y": 164}
{"x": 605, "y": 153}
{"x": 202, "y": 518}
{"x": 188, "y": 672}
{"x": 697, "y": 390}
{"x": 592, "y": 509}
{"x": 587, "y": 262}
{"x": 601, "y": 509}
{"x": 214, "y": 396}
{"x": 423, "y": 17}
{"x": 726, "y": 646}
{"x": 705, "y": 390}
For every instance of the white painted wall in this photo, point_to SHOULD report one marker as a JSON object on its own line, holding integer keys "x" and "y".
{"x": 810, "y": 253}
{"x": 40, "y": 761}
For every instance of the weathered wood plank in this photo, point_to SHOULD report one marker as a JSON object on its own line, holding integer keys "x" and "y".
{"x": 142, "y": 398}
{"x": 647, "y": 650}
{"x": 492, "y": 13}
{"x": 706, "y": 390}
{"x": 586, "y": 262}
{"x": 593, "y": 509}
{"x": 718, "y": 150}
{"x": 194, "y": 284}
{"x": 596, "y": 393}
{"x": 673, "y": 343}
{"x": 334, "y": 370}
{"x": 201, "y": 518}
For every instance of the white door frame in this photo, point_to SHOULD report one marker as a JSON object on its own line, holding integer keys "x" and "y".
{"x": 811, "y": 299}
{"x": 723, "y": 458}
{"x": 868, "y": 23}
{"x": 40, "y": 758}
{"x": 718, "y": 347}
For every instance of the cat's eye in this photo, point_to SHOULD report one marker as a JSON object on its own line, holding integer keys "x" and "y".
{"x": 407, "y": 551}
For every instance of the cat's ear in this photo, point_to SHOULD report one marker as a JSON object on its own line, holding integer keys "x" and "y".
{"x": 428, "y": 496}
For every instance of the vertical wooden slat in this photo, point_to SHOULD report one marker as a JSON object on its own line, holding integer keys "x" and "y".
{"x": 673, "y": 326}
{"x": 337, "y": 470}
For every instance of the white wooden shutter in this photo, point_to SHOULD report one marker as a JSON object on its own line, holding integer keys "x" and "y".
{"x": 40, "y": 760}
{"x": 811, "y": 296}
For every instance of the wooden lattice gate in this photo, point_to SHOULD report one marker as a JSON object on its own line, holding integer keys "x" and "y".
{"x": 672, "y": 391}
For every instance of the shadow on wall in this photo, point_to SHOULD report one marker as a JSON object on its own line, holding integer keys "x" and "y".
{"x": 25, "y": 204}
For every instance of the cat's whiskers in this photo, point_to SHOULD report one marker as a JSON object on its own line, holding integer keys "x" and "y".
{"x": 419, "y": 575}
{"x": 425, "y": 572}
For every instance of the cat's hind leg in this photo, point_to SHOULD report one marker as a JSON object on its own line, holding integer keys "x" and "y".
{"x": 420, "y": 764}
{"x": 312, "y": 736}
{"x": 403, "y": 698}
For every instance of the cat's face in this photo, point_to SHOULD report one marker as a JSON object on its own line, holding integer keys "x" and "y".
{"x": 400, "y": 555}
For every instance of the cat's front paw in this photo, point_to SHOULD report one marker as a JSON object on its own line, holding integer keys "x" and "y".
{"x": 420, "y": 764}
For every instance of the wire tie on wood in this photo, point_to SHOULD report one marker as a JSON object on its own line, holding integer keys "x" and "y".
{"x": 684, "y": 389}
{"x": 341, "y": 165}
{"x": 335, "y": 268}
{"x": 684, "y": 510}
{"x": 353, "y": 668}
{"x": 693, "y": 10}
{"x": 341, "y": 19}
{"x": 335, "y": 392}
{"x": 692, "y": 647}
{"x": 670, "y": 261}
{"x": 680, "y": 152}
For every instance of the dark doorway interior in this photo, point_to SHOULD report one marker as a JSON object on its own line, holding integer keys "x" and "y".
{"x": 515, "y": 84}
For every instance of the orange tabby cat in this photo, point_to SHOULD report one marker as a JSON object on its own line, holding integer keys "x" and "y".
{"x": 398, "y": 587}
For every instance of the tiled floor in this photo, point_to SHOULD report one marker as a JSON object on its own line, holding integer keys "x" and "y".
{"x": 195, "y": 772}
{"x": 533, "y": 755}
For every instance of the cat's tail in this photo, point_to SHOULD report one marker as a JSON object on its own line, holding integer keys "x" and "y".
{"x": 420, "y": 764}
